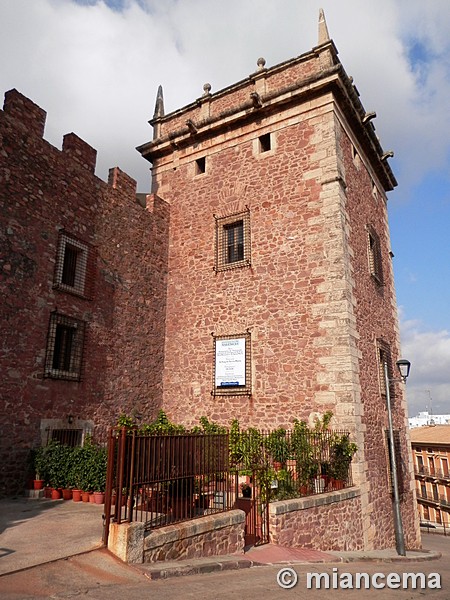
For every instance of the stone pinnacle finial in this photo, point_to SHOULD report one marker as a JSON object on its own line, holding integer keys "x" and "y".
{"x": 261, "y": 63}
{"x": 324, "y": 36}
{"x": 159, "y": 105}
{"x": 206, "y": 89}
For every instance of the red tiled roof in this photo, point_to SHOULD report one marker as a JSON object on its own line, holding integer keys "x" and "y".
{"x": 438, "y": 434}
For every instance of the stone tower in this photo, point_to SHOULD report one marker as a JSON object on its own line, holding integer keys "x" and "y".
{"x": 280, "y": 299}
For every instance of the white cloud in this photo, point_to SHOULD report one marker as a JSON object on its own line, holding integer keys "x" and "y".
{"x": 429, "y": 353}
{"x": 96, "y": 69}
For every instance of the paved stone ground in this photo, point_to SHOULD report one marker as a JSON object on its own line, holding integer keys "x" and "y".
{"x": 98, "y": 575}
{"x": 51, "y": 549}
{"x": 33, "y": 532}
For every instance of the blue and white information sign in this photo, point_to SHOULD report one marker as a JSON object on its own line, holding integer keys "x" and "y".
{"x": 230, "y": 362}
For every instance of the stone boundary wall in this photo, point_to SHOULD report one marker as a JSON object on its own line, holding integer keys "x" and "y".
{"x": 330, "y": 521}
{"x": 212, "y": 535}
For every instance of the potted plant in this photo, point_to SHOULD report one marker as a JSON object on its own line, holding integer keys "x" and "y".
{"x": 39, "y": 466}
{"x": 246, "y": 490}
{"x": 342, "y": 451}
{"x": 57, "y": 459}
{"x": 286, "y": 485}
{"x": 88, "y": 471}
{"x": 180, "y": 494}
{"x": 76, "y": 473}
{"x": 246, "y": 448}
{"x": 304, "y": 451}
{"x": 277, "y": 445}
{"x": 99, "y": 466}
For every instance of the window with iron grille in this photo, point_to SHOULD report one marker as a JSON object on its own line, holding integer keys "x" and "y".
{"x": 384, "y": 357}
{"x": 232, "y": 365}
{"x": 64, "y": 347}
{"x": 374, "y": 254}
{"x": 233, "y": 241}
{"x": 71, "y": 265}
{"x": 67, "y": 437}
{"x": 398, "y": 462}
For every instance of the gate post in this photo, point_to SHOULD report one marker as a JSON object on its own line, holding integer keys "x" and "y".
{"x": 109, "y": 486}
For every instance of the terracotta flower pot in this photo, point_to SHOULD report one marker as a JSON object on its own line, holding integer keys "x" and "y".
{"x": 67, "y": 494}
{"x": 56, "y": 494}
{"x": 38, "y": 484}
{"x": 76, "y": 495}
{"x": 99, "y": 497}
{"x": 85, "y": 496}
{"x": 92, "y": 498}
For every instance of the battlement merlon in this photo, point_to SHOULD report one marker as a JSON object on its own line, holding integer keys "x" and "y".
{"x": 122, "y": 182}
{"x": 80, "y": 151}
{"x": 265, "y": 92}
{"x": 22, "y": 109}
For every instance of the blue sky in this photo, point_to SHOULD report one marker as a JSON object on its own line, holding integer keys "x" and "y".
{"x": 95, "y": 68}
{"x": 420, "y": 234}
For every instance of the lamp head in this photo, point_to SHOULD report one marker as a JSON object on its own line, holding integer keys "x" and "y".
{"x": 404, "y": 367}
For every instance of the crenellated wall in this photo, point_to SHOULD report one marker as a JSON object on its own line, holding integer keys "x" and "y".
{"x": 44, "y": 192}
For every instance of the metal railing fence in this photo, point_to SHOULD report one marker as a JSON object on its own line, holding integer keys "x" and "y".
{"x": 159, "y": 479}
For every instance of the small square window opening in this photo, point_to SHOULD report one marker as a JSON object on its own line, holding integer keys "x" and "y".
{"x": 200, "y": 165}
{"x": 265, "y": 143}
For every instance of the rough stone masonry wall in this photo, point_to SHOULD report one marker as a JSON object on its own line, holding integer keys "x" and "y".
{"x": 132, "y": 246}
{"x": 42, "y": 190}
{"x": 289, "y": 264}
{"x": 214, "y": 535}
{"x": 294, "y": 299}
{"x": 330, "y": 521}
{"x": 376, "y": 319}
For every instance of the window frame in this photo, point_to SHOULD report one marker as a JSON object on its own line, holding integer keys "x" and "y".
{"x": 384, "y": 356}
{"x": 223, "y": 225}
{"x": 80, "y": 274}
{"x": 233, "y": 390}
{"x": 401, "y": 473}
{"x": 58, "y": 323}
{"x": 374, "y": 255}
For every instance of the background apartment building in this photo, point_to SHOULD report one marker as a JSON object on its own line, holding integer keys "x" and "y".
{"x": 431, "y": 453}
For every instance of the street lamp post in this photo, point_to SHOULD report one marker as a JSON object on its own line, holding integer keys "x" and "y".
{"x": 403, "y": 367}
